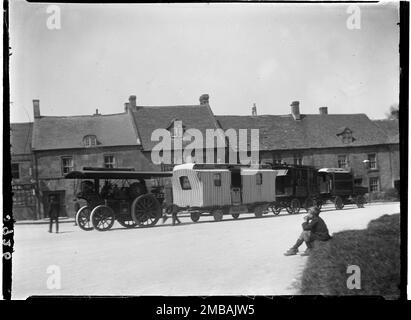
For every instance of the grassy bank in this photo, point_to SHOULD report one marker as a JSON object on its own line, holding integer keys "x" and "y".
{"x": 376, "y": 250}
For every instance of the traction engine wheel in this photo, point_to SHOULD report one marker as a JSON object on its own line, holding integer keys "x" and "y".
{"x": 102, "y": 218}
{"x": 339, "y": 203}
{"x": 195, "y": 216}
{"x": 83, "y": 218}
{"x": 235, "y": 215}
{"x": 145, "y": 210}
{"x": 218, "y": 214}
{"x": 127, "y": 223}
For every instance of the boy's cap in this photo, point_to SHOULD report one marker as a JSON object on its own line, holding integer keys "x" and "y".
{"x": 315, "y": 211}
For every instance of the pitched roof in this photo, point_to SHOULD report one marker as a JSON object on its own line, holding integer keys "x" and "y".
{"x": 20, "y": 137}
{"x": 312, "y": 131}
{"x": 192, "y": 117}
{"x": 391, "y": 128}
{"x": 68, "y": 132}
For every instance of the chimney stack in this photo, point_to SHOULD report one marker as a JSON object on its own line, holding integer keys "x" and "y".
{"x": 323, "y": 110}
{"x": 133, "y": 102}
{"x": 126, "y": 106}
{"x": 295, "y": 110}
{"x": 96, "y": 114}
{"x": 36, "y": 108}
{"x": 254, "y": 110}
{"x": 204, "y": 99}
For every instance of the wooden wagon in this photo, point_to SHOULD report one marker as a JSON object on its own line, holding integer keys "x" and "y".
{"x": 296, "y": 186}
{"x": 220, "y": 189}
{"x": 337, "y": 185}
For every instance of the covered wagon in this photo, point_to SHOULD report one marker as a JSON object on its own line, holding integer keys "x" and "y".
{"x": 337, "y": 185}
{"x": 219, "y": 189}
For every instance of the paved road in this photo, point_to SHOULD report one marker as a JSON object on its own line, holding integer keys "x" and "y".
{"x": 231, "y": 257}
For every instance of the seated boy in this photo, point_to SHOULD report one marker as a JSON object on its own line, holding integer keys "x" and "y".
{"x": 314, "y": 228}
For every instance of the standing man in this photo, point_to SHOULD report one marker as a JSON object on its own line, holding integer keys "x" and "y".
{"x": 54, "y": 212}
{"x": 76, "y": 209}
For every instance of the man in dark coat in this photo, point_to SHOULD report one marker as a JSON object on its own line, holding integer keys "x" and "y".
{"x": 314, "y": 228}
{"x": 54, "y": 212}
{"x": 76, "y": 209}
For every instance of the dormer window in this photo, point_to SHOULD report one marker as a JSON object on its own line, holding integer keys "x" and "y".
{"x": 90, "y": 141}
{"x": 176, "y": 129}
{"x": 346, "y": 135}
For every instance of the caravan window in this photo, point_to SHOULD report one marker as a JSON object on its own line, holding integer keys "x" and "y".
{"x": 259, "y": 177}
{"x": 185, "y": 183}
{"x": 217, "y": 179}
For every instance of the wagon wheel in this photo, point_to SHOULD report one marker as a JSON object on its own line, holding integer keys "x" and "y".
{"x": 259, "y": 211}
{"x": 145, "y": 210}
{"x": 218, "y": 214}
{"x": 308, "y": 203}
{"x": 339, "y": 203}
{"x": 235, "y": 215}
{"x": 360, "y": 201}
{"x": 294, "y": 206}
{"x": 127, "y": 223}
{"x": 102, "y": 218}
{"x": 195, "y": 216}
{"x": 83, "y": 218}
{"x": 276, "y": 208}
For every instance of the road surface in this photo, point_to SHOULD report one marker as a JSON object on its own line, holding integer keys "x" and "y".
{"x": 231, "y": 257}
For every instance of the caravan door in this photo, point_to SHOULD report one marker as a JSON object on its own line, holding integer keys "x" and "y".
{"x": 236, "y": 186}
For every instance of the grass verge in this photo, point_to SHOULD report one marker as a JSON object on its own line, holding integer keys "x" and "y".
{"x": 375, "y": 250}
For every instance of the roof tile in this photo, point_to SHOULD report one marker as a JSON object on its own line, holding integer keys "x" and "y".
{"x": 192, "y": 117}
{"x": 20, "y": 137}
{"x": 68, "y": 132}
{"x": 312, "y": 131}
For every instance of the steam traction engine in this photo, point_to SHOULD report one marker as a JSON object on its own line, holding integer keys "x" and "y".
{"x": 132, "y": 204}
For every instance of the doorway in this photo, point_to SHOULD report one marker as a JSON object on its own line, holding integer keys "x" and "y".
{"x": 236, "y": 185}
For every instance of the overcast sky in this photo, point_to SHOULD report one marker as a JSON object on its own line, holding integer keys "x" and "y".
{"x": 170, "y": 54}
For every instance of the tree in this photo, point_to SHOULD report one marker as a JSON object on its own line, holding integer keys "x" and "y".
{"x": 394, "y": 112}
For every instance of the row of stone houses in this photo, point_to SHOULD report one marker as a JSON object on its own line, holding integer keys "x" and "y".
{"x": 45, "y": 150}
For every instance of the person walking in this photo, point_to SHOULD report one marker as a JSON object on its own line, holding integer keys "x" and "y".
{"x": 54, "y": 212}
{"x": 171, "y": 209}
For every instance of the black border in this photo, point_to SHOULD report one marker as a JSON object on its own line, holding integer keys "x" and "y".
{"x": 8, "y": 223}
{"x": 266, "y": 303}
{"x": 403, "y": 126}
